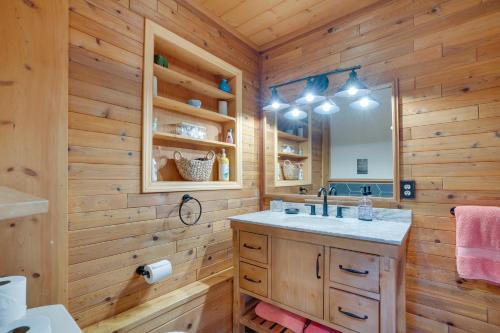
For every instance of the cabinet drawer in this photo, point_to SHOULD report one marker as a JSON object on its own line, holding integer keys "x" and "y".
{"x": 253, "y": 278}
{"x": 355, "y": 312}
{"x": 355, "y": 269}
{"x": 253, "y": 246}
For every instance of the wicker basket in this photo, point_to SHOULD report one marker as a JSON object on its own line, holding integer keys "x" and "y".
{"x": 198, "y": 170}
{"x": 290, "y": 170}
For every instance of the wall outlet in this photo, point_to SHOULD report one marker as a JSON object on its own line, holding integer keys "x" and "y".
{"x": 407, "y": 189}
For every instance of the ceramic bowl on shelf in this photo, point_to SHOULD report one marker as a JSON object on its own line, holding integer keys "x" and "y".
{"x": 195, "y": 102}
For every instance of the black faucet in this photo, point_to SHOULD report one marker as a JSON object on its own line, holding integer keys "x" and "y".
{"x": 323, "y": 191}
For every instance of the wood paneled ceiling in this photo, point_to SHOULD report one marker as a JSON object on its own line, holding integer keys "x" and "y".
{"x": 266, "y": 23}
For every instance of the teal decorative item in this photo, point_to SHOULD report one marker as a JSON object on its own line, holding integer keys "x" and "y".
{"x": 161, "y": 60}
{"x": 224, "y": 86}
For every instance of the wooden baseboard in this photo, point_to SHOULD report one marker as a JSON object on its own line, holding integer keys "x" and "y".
{"x": 157, "y": 310}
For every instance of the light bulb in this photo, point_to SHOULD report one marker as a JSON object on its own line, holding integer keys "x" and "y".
{"x": 326, "y": 107}
{"x": 295, "y": 113}
{"x": 275, "y": 105}
{"x": 352, "y": 91}
{"x": 364, "y": 102}
{"x": 309, "y": 97}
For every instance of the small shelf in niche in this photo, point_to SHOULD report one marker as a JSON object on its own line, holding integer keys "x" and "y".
{"x": 184, "y": 108}
{"x": 292, "y": 156}
{"x": 190, "y": 83}
{"x": 170, "y": 137}
{"x": 291, "y": 137}
{"x": 292, "y": 182}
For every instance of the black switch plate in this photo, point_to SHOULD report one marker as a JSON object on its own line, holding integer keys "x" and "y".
{"x": 407, "y": 189}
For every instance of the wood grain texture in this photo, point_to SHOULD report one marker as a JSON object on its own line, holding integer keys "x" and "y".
{"x": 261, "y": 23}
{"x": 33, "y": 149}
{"x": 193, "y": 308}
{"x": 444, "y": 55}
{"x": 113, "y": 227}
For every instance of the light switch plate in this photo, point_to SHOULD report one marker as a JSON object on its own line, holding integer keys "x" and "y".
{"x": 407, "y": 189}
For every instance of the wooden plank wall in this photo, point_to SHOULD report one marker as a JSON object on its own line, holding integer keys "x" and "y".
{"x": 33, "y": 135}
{"x": 446, "y": 55}
{"x": 112, "y": 227}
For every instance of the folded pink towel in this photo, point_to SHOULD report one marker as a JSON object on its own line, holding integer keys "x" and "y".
{"x": 318, "y": 328}
{"x": 478, "y": 243}
{"x": 285, "y": 318}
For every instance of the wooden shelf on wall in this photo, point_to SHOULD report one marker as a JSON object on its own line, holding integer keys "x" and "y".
{"x": 192, "y": 141}
{"x": 291, "y": 137}
{"x": 190, "y": 83}
{"x": 183, "y": 185}
{"x": 184, "y": 108}
{"x": 293, "y": 156}
{"x": 14, "y": 204}
{"x": 292, "y": 182}
{"x": 282, "y": 138}
{"x": 194, "y": 71}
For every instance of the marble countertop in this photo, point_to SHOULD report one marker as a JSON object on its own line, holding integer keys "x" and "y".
{"x": 389, "y": 230}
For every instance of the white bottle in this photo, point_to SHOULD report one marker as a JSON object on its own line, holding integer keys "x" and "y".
{"x": 223, "y": 166}
{"x": 155, "y": 164}
{"x": 229, "y": 138}
{"x": 301, "y": 172}
{"x": 365, "y": 206}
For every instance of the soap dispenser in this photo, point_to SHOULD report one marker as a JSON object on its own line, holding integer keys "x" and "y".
{"x": 365, "y": 206}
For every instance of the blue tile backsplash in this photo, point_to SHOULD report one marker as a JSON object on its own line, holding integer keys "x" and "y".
{"x": 383, "y": 190}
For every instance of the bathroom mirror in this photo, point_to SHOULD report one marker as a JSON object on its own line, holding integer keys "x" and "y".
{"x": 354, "y": 146}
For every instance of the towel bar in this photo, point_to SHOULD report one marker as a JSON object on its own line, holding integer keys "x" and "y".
{"x": 452, "y": 211}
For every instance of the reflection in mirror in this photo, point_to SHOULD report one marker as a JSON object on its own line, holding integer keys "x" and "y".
{"x": 350, "y": 147}
{"x": 361, "y": 146}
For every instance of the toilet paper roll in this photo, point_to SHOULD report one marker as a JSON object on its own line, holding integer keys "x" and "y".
{"x": 12, "y": 298}
{"x": 158, "y": 271}
{"x": 28, "y": 324}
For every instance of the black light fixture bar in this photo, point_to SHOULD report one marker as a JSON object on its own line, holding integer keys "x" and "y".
{"x": 335, "y": 71}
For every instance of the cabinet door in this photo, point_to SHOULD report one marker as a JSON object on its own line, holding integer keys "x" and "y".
{"x": 297, "y": 275}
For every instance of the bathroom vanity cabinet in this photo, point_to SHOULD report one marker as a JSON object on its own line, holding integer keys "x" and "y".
{"x": 348, "y": 284}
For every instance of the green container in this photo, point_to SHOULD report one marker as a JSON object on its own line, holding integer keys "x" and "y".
{"x": 161, "y": 60}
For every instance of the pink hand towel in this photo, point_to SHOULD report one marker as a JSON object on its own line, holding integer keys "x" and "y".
{"x": 318, "y": 328}
{"x": 478, "y": 243}
{"x": 285, "y": 318}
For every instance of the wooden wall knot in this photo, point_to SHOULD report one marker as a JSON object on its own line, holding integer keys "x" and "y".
{"x": 30, "y": 172}
{"x": 30, "y": 3}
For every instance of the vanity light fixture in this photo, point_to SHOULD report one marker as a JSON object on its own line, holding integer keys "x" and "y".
{"x": 313, "y": 91}
{"x": 295, "y": 114}
{"x": 353, "y": 87}
{"x": 275, "y": 103}
{"x": 365, "y": 103}
{"x": 327, "y": 107}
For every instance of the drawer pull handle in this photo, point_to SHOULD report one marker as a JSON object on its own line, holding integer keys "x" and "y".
{"x": 251, "y": 280}
{"x": 317, "y": 266}
{"x": 252, "y": 247}
{"x": 353, "y": 271}
{"x": 352, "y": 315}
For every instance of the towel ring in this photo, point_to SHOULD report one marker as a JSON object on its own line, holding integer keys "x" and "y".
{"x": 185, "y": 199}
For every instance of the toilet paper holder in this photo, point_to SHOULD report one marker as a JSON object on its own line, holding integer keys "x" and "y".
{"x": 141, "y": 271}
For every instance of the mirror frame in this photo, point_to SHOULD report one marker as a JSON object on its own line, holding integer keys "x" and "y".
{"x": 381, "y": 202}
